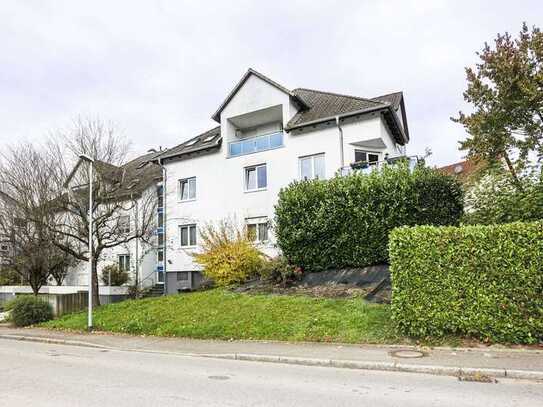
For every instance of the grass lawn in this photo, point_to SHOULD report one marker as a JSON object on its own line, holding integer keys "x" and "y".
{"x": 220, "y": 314}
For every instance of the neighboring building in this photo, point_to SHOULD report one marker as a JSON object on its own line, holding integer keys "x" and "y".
{"x": 466, "y": 171}
{"x": 267, "y": 136}
{"x": 139, "y": 179}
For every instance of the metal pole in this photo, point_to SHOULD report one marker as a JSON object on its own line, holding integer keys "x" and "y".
{"x": 89, "y": 323}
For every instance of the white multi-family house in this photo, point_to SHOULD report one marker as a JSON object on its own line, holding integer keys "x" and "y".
{"x": 136, "y": 195}
{"x": 267, "y": 136}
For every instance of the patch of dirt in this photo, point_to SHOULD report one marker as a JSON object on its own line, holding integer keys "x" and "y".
{"x": 319, "y": 291}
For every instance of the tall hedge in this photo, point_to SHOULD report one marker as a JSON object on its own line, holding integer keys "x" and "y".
{"x": 480, "y": 281}
{"x": 345, "y": 221}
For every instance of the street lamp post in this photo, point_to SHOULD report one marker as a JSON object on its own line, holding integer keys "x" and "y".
{"x": 90, "y": 160}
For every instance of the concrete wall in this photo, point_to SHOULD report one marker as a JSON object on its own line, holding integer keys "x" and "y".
{"x": 65, "y": 299}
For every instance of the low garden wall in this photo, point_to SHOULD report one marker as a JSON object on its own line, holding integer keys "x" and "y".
{"x": 66, "y": 299}
{"x": 479, "y": 281}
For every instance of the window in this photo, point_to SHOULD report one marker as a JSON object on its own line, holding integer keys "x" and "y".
{"x": 188, "y": 235}
{"x": 312, "y": 167}
{"x": 160, "y": 256}
{"x": 366, "y": 157}
{"x": 256, "y": 177}
{"x": 124, "y": 262}
{"x": 123, "y": 224}
{"x": 257, "y": 229}
{"x": 160, "y": 220}
{"x": 160, "y": 194}
{"x": 187, "y": 189}
{"x": 182, "y": 276}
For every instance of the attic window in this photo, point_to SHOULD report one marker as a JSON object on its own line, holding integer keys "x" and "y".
{"x": 209, "y": 138}
{"x": 458, "y": 169}
{"x": 190, "y": 143}
{"x": 143, "y": 164}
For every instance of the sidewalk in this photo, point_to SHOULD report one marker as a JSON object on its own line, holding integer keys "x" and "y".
{"x": 512, "y": 363}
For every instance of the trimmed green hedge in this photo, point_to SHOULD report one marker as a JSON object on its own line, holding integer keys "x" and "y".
{"x": 480, "y": 281}
{"x": 345, "y": 221}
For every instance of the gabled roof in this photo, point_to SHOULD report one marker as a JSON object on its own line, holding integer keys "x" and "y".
{"x": 315, "y": 107}
{"x": 217, "y": 115}
{"x": 394, "y": 99}
{"x": 207, "y": 141}
{"x": 327, "y": 104}
{"x": 324, "y": 106}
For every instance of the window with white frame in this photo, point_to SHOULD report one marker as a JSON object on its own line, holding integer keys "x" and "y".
{"x": 312, "y": 167}
{"x": 124, "y": 262}
{"x": 187, "y": 235}
{"x": 187, "y": 189}
{"x": 124, "y": 224}
{"x": 366, "y": 157}
{"x": 256, "y": 177}
{"x": 257, "y": 229}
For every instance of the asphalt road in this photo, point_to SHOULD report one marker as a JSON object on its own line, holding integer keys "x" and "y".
{"x": 36, "y": 374}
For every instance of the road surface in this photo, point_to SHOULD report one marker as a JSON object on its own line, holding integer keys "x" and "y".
{"x": 37, "y": 374}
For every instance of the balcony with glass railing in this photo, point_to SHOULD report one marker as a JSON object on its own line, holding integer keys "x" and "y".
{"x": 366, "y": 167}
{"x": 255, "y": 144}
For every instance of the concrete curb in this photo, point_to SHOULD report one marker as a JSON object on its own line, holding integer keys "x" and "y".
{"x": 51, "y": 341}
{"x": 455, "y": 371}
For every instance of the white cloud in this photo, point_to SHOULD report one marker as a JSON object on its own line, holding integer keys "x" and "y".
{"x": 160, "y": 69}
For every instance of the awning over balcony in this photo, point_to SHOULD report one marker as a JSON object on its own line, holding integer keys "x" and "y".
{"x": 374, "y": 143}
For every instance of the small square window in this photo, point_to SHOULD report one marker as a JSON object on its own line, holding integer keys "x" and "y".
{"x": 187, "y": 235}
{"x": 257, "y": 229}
{"x": 187, "y": 189}
{"x": 182, "y": 276}
{"x": 366, "y": 157}
{"x": 124, "y": 262}
{"x": 123, "y": 224}
{"x": 312, "y": 167}
{"x": 256, "y": 177}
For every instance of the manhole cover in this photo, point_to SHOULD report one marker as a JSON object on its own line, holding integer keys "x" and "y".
{"x": 218, "y": 377}
{"x": 407, "y": 354}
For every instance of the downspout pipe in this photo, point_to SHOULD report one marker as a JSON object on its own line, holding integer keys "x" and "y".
{"x": 165, "y": 261}
{"x": 341, "y": 152}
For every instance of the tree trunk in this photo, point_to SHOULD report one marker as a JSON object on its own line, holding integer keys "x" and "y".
{"x": 95, "y": 293}
{"x": 513, "y": 172}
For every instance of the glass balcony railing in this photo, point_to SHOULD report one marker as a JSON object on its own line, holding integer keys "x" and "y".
{"x": 255, "y": 144}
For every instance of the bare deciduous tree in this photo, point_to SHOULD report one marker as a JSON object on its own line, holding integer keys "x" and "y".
{"x": 124, "y": 197}
{"x": 25, "y": 212}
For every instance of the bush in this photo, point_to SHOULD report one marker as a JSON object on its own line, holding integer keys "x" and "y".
{"x": 345, "y": 221}
{"x": 280, "y": 271}
{"x": 480, "y": 281}
{"x": 228, "y": 256}
{"x": 118, "y": 277}
{"x": 9, "y": 277}
{"x": 495, "y": 198}
{"x": 28, "y": 310}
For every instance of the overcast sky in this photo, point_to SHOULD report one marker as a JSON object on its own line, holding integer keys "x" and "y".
{"x": 159, "y": 69}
